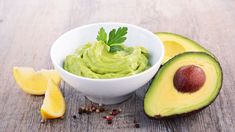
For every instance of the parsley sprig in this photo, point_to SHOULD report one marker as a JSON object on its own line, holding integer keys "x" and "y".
{"x": 115, "y": 38}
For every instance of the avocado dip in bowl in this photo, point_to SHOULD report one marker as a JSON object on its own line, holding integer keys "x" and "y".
{"x": 107, "y": 62}
{"x": 96, "y": 61}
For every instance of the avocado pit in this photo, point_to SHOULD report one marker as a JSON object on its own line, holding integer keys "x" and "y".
{"x": 189, "y": 78}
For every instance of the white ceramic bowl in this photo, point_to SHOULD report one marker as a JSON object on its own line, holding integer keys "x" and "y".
{"x": 106, "y": 91}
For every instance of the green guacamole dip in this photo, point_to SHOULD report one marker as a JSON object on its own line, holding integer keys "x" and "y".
{"x": 95, "y": 61}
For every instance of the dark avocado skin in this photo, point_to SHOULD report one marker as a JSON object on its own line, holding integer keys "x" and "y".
{"x": 159, "y": 117}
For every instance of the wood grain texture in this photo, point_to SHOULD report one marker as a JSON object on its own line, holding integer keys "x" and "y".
{"x": 29, "y": 27}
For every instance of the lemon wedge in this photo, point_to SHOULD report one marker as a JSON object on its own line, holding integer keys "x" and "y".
{"x": 51, "y": 74}
{"x": 33, "y": 82}
{"x": 53, "y": 104}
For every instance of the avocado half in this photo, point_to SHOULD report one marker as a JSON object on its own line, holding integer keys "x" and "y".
{"x": 175, "y": 44}
{"x": 188, "y": 82}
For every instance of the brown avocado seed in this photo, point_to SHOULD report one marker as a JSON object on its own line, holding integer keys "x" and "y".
{"x": 189, "y": 78}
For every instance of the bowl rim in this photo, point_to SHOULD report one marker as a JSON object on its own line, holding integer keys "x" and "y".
{"x": 108, "y": 79}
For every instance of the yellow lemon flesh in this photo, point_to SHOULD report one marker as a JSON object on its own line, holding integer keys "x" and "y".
{"x": 33, "y": 82}
{"x": 53, "y": 104}
{"x": 51, "y": 74}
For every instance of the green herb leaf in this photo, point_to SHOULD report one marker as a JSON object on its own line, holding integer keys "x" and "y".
{"x": 102, "y": 35}
{"x": 117, "y": 36}
{"x": 115, "y": 48}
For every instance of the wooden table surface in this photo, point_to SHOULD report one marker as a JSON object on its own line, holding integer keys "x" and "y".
{"x": 29, "y": 27}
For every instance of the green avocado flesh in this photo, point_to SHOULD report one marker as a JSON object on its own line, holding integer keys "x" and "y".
{"x": 162, "y": 98}
{"x": 175, "y": 44}
{"x": 95, "y": 61}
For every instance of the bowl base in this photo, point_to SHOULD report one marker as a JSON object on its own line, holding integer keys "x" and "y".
{"x": 109, "y": 101}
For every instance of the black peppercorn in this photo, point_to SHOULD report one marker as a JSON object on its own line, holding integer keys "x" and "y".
{"x": 137, "y": 125}
{"x": 109, "y": 121}
{"x": 74, "y": 116}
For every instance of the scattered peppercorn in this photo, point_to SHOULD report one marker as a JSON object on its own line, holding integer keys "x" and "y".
{"x": 87, "y": 112}
{"x": 109, "y": 118}
{"x": 102, "y": 109}
{"x": 114, "y": 112}
{"x": 86, "y": 108}
{"x": 83, "y": 108}
{"x": 74, "y": 116}
{"x": 94, "y": 108}
{"x": 91, "y": 108}
{"x": 134, "y": 121}
{"x": 97, "y": 110}
{"x": 109, "y": 121}
{"x": 137, "y": 125}
{"x": 43, "y": 121}
{"x": 80, "y": 111}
